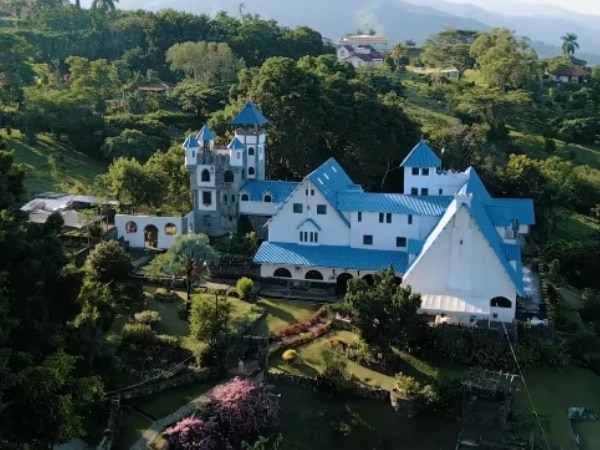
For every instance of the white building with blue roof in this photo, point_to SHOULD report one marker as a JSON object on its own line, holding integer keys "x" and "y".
{"x": 445, "y": 236}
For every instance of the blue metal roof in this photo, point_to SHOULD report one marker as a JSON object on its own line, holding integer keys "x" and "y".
{"x": 479, "y": 215}
{"x": 415, "y": 246}
{"x": 504, "y": 211}
{"x": 512, "y": 251}
{"x": 330, "y": 179}
{"x": 278, "y": 190}
{"x": 422, "y": 155}
{"x": 190, "y": 142}
{"x": 235, "y": 144}
{"x": 393, "y": 203}
{"x": 315, "y": 224}
{"x": 338, "y": 257}
{"x": 475, "y": 187}
{"x": 249, "y": 115}
{"x": 205, "y": 134}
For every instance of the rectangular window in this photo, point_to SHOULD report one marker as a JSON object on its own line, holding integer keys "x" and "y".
{"x": 206, "y": 197}
{"x": 312, "y": 236}
{"x": 312, "y": 192}
{"x": 410, "y": 219}
{"x": 306, "y": 236}
{"x": 301, "y": 240}
{"x": 239, "y": 155}
{"x": 424, "y": 191}
{"x": 297, "y": 208}
{"x": 388, "y": 218}
{"x": 415, "y": 171}
{"x": 307, "y": 192}
{"x": 381, "y": 216}
{"x": 316, "y": 237}
{"x": 360, "y": 216}
{"x": 367, "y": 239}
{"x": 425, "y": 172}
{"x": 440, "y": 191}
{"x": 321, "y": 209}
{"x": 414, "y": 191}
{"x": 401, "y": 242}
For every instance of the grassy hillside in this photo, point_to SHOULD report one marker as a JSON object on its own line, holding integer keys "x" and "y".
{"x": 34, "y": 156}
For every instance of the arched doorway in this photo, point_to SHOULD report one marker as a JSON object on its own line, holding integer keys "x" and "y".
{"x": 151, "y": 236}
{"x": 282, "y": 272}
{"x": 500, "y": 302}
{"x": 313, "y": 275}
{"x": 228, "y": 176}
{"x": 369, "y": 279}
{"x": 342, "y": 282}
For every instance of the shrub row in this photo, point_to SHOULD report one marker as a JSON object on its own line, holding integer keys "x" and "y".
{"x": 302, "y": 338}
{"x": 302, "y": 327}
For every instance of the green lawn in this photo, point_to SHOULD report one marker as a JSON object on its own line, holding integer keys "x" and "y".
{"x": 286, "y": 312}
{"x": 34, "y": 157}
{"x": 570, "y": 226}
{"x": 316, "y": 421}
{"x": 553, "y": 392}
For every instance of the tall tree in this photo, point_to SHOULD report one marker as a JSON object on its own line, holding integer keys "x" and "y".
{"x": 450, "y": 48}
{"x": 15, "y": 67}
{"x": 106, "y": 5}
{"x": 569, "y": 44}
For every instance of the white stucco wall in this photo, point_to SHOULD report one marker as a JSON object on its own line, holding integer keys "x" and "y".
{"x": 136, "y": 239}
{"x": 330, "y": 275}
{"x": 283, "y": 226}
{"x": 257, "y": 208}
{"x": 448, "y": 182}
{"x": 384, "y": 234}
{"x": 470, "y": 270}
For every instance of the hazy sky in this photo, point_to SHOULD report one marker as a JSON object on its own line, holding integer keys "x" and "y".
{"x": 581, "y": 6}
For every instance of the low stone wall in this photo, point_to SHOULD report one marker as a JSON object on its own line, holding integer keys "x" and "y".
{"x": 188, "y": 376}
{"x": 309, "y": 383}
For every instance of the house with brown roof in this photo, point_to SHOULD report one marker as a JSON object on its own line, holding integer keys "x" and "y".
{"x": 359, "y": 55}
{"x": 569, "y": 75}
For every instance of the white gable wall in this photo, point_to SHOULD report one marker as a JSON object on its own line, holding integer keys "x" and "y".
{"x": 283, "y": 225}
{"x": 470, "y": 270}
{"x": 448, "y": 182}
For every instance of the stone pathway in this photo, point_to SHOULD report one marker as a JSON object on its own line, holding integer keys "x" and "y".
{"x": 155, "y": 430}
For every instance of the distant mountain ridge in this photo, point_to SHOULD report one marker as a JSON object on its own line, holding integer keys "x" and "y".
{"x": 400, "y": 20}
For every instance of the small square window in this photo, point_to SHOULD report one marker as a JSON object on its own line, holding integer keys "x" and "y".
{"x": 410, "y": 219}
{"x": 381, "y": 217}
{"x": 360, "y": 216}
{"x": 440, "y": 191}
{"x": 321, "y": 209}
{"x": 401, "y": 242}
{"x": 425, "y": 172}
{"x": 424, "y": 191}
{"x": 388, "y": 218}
{"x": 415, "y": 171}
{"x": 367, "y": 239}
{"x": 414, "y": 191}
{"x": 297, "y": 208}
{"x": 206, "y": 197}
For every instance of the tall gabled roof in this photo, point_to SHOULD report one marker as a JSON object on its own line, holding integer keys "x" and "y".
{"x": 422, "y": 155}
{"x": 190, "y": 142}
{"x": 205, "y": 134}
{"x": 235, "y": 144}
{"x": 475, "y": 187}
{"x": 330, "y": 178}
{"x": 249, "y": 115}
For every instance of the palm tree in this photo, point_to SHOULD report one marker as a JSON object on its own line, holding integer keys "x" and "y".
{"x": 397, "y": 53}
{"x": 107, "y": 5}
{"x": 241, "y": 8}
{"x": 569, "y": 44}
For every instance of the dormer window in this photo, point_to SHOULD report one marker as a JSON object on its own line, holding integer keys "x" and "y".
{"x": 415, "y": 171}
{"x": 267, "y": 198}
{"x": 245, "y": 197}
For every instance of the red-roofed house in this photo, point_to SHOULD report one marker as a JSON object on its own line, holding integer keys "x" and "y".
{"x": 569, "y": 75}
{"x": 359, "y": 55}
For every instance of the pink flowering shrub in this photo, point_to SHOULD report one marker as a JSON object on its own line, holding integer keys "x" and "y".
{"x": 240, "y": 410}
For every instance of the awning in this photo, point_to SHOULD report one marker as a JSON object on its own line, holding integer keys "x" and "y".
{"x": 442, "y": 304}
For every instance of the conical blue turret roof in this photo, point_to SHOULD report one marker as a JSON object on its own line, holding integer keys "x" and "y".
{"x": 190, "y": 142}
{"x": 422, "y": 155}
{"x": 249, "y": 115}
{"x": 235, "y": 144}
{"x": 205, "y": 134}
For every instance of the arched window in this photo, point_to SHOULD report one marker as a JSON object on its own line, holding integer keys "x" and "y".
{"x": 313, "y": 275}
{"x": 282, "y": 273}
{"x": 228, "y": 176}
{"x": 224, "y": 198}
{"x": 251, "y": 171}
{"x": 245, "y": 197}
{"x": 251, "y": 151}
{"x": 170, "y": 229}
{"x": 205, "y": 176}
{"x": 267, "y": 199}
{"x": 130, "y": 227}
{"x": 500, "y": 302}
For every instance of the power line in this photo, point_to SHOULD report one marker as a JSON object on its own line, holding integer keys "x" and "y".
{"x": 537, "y": 417}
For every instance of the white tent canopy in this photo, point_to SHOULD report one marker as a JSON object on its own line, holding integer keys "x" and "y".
{"x": 448, "y": 304}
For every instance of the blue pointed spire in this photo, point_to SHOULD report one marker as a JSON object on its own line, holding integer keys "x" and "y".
{"x": 422, "y": 156}
{"x": 190, "y": 142}
{"x": 475, "y": 187}
{"x": 249, "y": 115}
{"x": 205, "y": 134}
{"x": 235, "y": 144}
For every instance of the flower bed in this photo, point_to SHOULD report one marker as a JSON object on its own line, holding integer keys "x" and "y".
{"x": 320, "y": 317}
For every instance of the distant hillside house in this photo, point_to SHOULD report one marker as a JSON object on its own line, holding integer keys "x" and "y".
{"x": 360, "y": 55}
{"x": 569, "y": 75}
{"x": 159, "y": 88}
{"x": 379, "y": 43}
